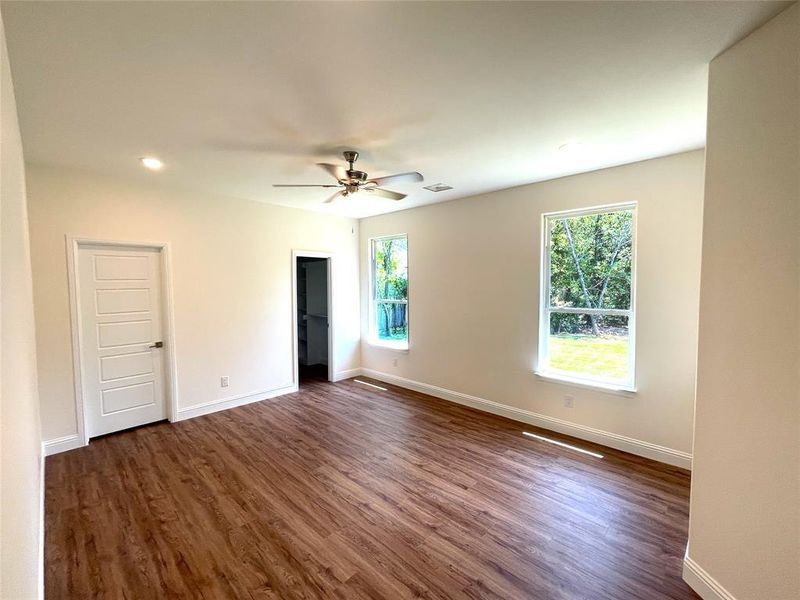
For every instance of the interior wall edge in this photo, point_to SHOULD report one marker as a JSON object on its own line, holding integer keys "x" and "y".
{"x": 702, "y": 583}
{"x": 348, "y": 374}
{"x": 61, "y": 444}
{"x": 21, "y": 460}
{"x": 744, "y": 524}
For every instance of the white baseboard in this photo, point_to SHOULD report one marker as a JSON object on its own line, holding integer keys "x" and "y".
{"x": 232, "y": 402}
{"x": 340, "y": 375}
{"x": 40, "y": 570}
{"x": 701, "y": 582}
{"x": 620, "y": 442}
{"x": 62, "y": 444}
{"x": 70, "y": 442}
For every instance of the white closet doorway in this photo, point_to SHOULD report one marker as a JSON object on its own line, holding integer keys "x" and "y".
{"x": 313, "y": 332}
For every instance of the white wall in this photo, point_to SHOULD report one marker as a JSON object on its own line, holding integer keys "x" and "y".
{"x": 744, "y": 524}
{"x": 474, "y": 294}
{"x": 231, "y": 273}
{"x": 20, "y": 450}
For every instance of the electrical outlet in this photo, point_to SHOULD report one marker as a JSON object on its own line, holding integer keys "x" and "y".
{"x": 394, "y": 362}
{"x": 224, "y": 381}
{"x": 569, "y": 401}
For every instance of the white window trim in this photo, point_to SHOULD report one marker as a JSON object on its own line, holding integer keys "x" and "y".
{"x": 372, "y": 338}
{"x": 542, "y": 370}
{"x": 577, "y": 382}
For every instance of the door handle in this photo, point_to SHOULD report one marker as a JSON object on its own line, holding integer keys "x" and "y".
{"x": 157, "y": 345}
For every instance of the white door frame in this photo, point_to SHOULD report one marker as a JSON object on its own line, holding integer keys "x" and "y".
{"x": 331, "y": 357}
{"x": 170, "y": 368}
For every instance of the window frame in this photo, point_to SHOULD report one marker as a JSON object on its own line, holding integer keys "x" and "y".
{"x": 545, "y": 310}
{"x": 373, "y": 338}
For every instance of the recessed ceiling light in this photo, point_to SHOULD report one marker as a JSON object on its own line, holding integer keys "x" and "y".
{"x": 438, "y": 187}
{"x": 152, "y": 163}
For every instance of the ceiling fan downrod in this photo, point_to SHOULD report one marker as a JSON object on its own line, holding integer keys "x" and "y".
{"x": 355, "y": 177}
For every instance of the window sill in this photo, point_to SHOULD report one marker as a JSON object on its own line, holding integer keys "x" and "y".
{"x": 396, "y": 346}
{"x": 611, "y": 388}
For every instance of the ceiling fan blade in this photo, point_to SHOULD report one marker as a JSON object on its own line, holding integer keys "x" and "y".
{"x": 384, "y": 193}
{"x": 335, "y": 170}
{"x": 399, "y": 178}
{"x": 305, "y": 185}
{"x": 334, "y": 197}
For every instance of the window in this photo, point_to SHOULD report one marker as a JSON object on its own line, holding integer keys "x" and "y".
{"x": 389, "y": 294}
{"x": 587, "y": 306}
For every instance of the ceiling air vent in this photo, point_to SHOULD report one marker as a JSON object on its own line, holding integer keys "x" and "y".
{"x": 438, "y": 187}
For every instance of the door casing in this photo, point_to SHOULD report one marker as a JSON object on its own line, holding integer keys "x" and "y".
{"x": 331, "y": 356}
{"x": 170, "y": 371}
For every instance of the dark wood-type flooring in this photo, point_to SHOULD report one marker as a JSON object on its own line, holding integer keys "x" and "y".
{"x": 345, "y": 491}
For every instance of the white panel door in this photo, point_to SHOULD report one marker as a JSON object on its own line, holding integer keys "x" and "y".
{"x": 119, "y": 291}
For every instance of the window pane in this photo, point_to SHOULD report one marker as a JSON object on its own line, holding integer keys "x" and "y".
{"x": 589, "y": 346}
{"x": 590, "y": 260}
{"x": 392, "y": 321}
{"x": 391, "y": 268}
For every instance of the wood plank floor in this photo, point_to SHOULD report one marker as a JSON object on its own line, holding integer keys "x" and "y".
{"x": 345, "y": 491}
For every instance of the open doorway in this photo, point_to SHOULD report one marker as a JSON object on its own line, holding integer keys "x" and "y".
{"x": 313, "y": 323}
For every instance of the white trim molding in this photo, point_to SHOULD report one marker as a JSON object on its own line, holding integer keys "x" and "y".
{"x": 42, "y": 489}
{"x": 72, "y": 441}
{"x": 372, "y": 337}
{"x": 543, "y": 368}
{"x": 663, "y": 454}
{"x": 62, "y": 444}
{"x": 702, "y": 583}
{"x": 213, "y": 406}
{"x": 329, "y": 256}
{"x": 170, "y": 367}
{"x": 341, "y": 375}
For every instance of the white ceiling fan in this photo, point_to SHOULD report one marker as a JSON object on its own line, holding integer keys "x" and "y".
{"x": 351, "y": 181}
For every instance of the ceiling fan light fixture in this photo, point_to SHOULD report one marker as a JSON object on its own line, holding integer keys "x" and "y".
{"x": 352, "y": 181}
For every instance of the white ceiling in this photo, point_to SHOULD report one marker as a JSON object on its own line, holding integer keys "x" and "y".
{"x": 237, "y": 96}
